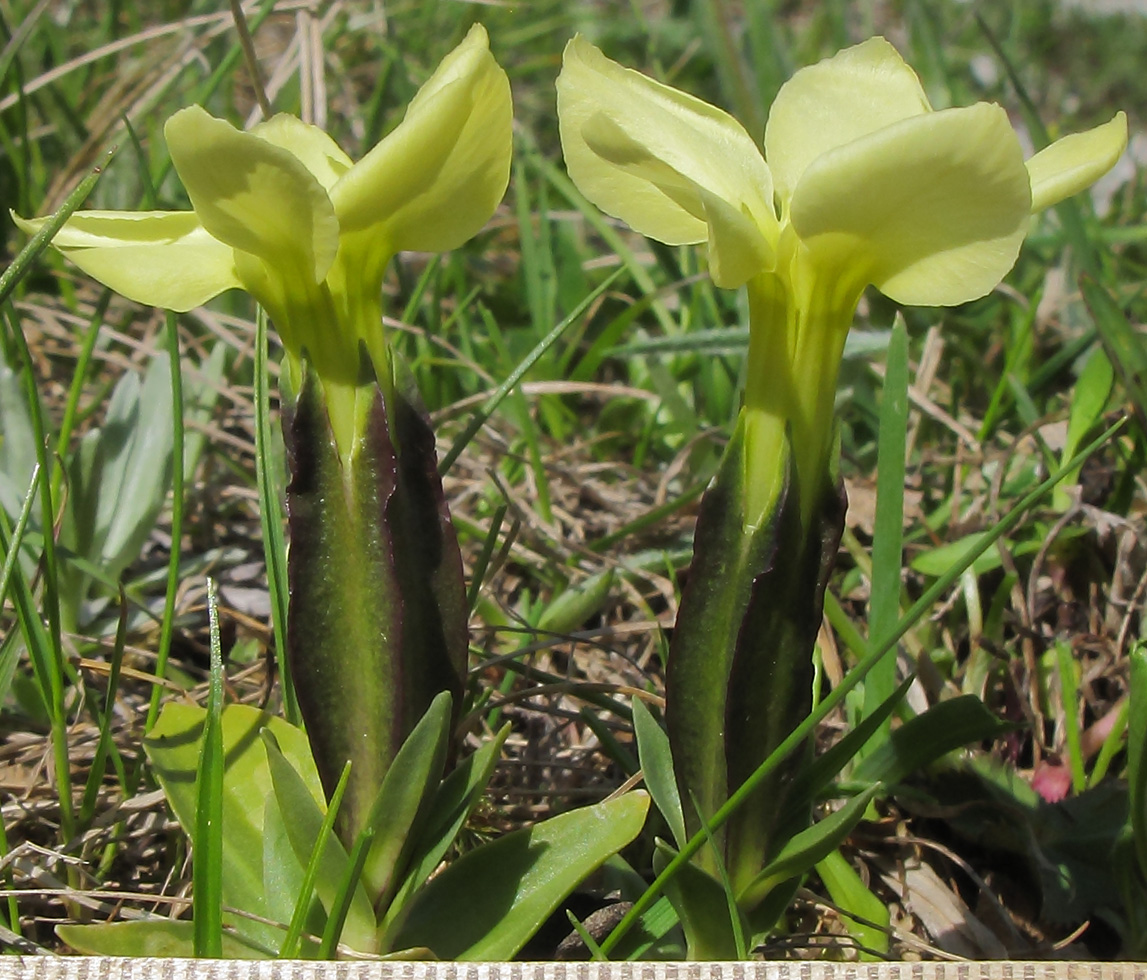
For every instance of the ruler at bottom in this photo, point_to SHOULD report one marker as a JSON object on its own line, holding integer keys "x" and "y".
{"x": 142, "y": 968}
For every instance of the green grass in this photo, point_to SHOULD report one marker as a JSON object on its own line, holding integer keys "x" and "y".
{"x": 587, "y": 464}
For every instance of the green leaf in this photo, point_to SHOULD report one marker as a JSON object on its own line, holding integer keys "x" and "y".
{"x": 124, "y": 471}
{"x": 940, "y": 560}
{"x": 657, "y": 767}
{"x": 303, "y": 815}
{"x": 456, "y": 798}
{"x": 811, "y": 781}
{"x": 851, "y": 895}
{"x": 887, "y": 543}
{"x": 403, "y": 799}
{"x": 489, "y": 902}
{"x": 284, "y": 875}
{"x": 702, "y": 909}
{"x": 808, "y": 847}
{"x": 118, "y": 480}
{"x": 918, "y": 743}
{"x": 1088, "y": 400}
{"x": 173, "y": 747}
{"x": 577, "y": 603}
{"x": 151, "y": 937}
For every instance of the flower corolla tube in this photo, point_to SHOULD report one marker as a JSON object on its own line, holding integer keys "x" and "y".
{"x": 861, "y": 182}
{"x": 283, "y": 213}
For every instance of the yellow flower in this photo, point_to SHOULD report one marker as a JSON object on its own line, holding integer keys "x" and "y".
{"x": 282, "y": 213}
{"x": 864, "y": 184}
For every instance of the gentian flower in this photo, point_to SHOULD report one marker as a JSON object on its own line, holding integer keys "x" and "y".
{"x": 861, "y": 182}
{"x": 377, "y": 620}
{"x": 283, "y": 213}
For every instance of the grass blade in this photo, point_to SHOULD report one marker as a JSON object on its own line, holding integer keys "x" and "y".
{"x": 167, "y": 627}
{"x": 887, "y": 543}
{"x": 271, "y": 519}
{"x": 543, "y": 345}
{"x": 293, "y": 941}
{"x": 1122, "y": 342}
{"x": 207, "y": 869}
{"x": 20, "y": 266}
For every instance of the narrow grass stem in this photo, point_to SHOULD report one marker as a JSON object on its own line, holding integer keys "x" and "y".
{"x": 79, "y": 376}
{"x": 271, "y": 519}
{"x": 293, "y": 941}
{"x": 207, "y": 858}
{"x": 247, "y": 44}
{"x": 167, "y": 627}
{"x": 480, "y": 416}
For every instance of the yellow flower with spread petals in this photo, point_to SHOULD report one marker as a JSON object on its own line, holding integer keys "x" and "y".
{"x": 861, "y": 182}
{"x": 283, "y": 213}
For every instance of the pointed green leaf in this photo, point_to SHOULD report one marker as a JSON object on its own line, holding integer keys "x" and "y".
{"x": 456, "y": 798}
{"x": 811, "y": 781}
{"x": 887, "y": 544}
{"x": 577, "y": 603}
{"x": 518, "y": 880}
{"x": 700, "y": 903}
{"x": 403, "y": 800}
{"x": 941, "y": 729}
{"x": 851, "y": 895}
{"x": 657, "y": 768}
{"x": 808, "y": 847}
{"x": 303, "y": 819}
{"x": 164, "y": 938}
{"x": 283, "y": 874}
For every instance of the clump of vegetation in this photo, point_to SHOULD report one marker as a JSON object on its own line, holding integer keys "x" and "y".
{"x": 969, "y": 727}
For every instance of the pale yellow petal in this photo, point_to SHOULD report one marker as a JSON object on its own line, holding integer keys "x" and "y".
{"x": 158, "y": 258}
{"x": 932, "y": 210}
{"x": 857, "y": 91}
{"x": 651, "y": 155}
{"x": 737, "y": 248}
{"x": 254, "y": 195}
{"x": 438, "y": 177}
{"x": 1075, "y": 162}
{"x": 320, "y": 154}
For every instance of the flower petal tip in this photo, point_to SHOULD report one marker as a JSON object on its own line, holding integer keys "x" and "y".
{"x": 1075, "y": 162}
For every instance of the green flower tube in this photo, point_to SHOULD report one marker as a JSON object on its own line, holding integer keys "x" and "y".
{"x": 377, "y": 608}
{"x": 861, "y": 183}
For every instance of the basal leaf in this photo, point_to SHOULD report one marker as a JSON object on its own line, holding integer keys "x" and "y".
{"x": 403, "y": 799}
{"x": 941, "y": 729}
{"x": 808, "y": 847}
{"x": 173, "y": 747}
{"x": 489, "y": 902}
{"x": 302, "y": 818}
{"x": 657, "y": 767}
{"x": 150, "y": 937}
{"x": 456, "y": 798}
